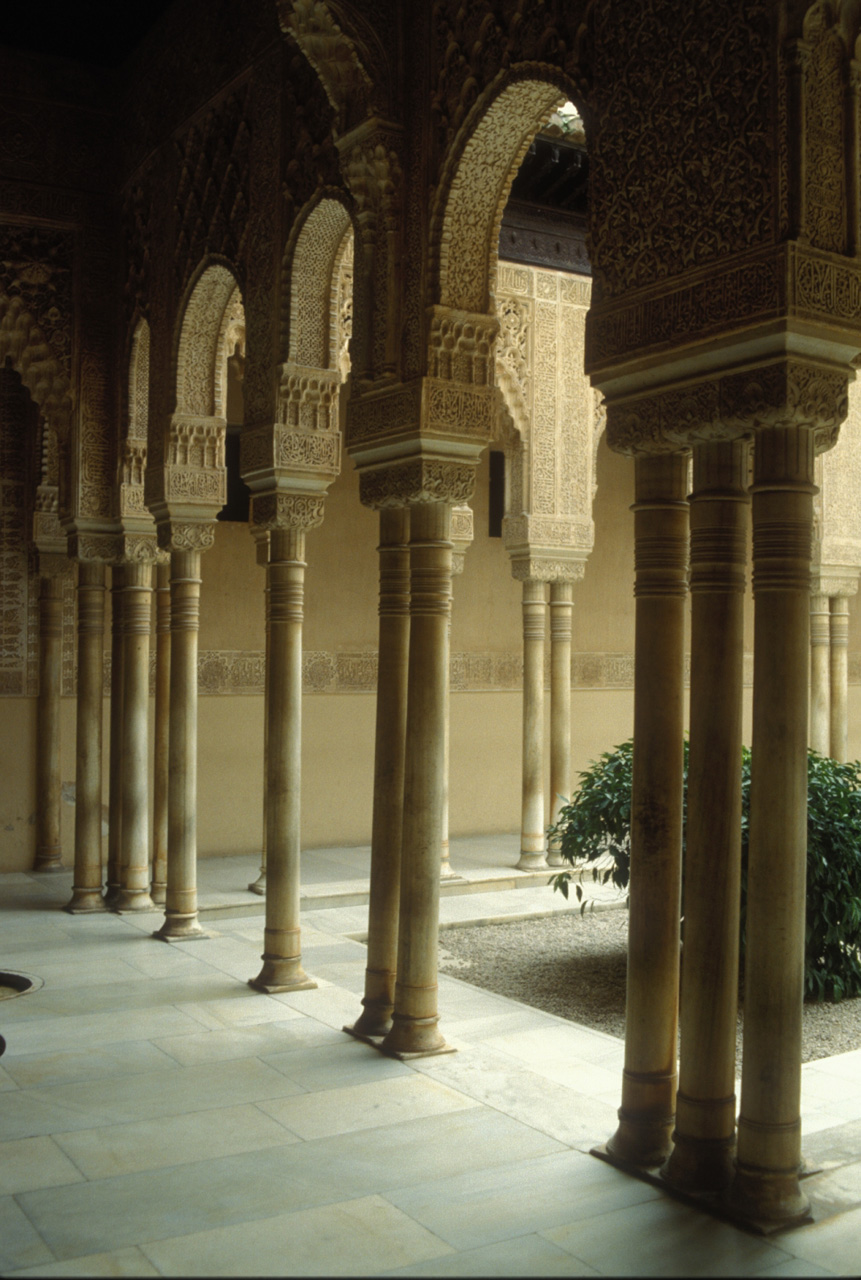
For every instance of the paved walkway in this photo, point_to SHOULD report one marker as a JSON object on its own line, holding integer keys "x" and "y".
{"x": 158, "y": 1117}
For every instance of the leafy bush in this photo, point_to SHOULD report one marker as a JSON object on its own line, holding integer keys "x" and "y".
{"x": 596, "y": 824}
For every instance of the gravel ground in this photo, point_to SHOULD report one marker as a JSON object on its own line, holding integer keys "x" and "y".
{"x": 574, "y": 966}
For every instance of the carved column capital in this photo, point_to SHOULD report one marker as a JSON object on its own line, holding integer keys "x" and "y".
{"x": 270, "y": 511}
{"x": 418, "y": 481}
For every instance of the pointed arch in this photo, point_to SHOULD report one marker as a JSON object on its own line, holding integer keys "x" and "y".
{"x": 197, "y": 354}
{"x": 310, "y": 263}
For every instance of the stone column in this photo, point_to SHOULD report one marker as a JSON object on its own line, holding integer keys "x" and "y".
{"x": 181, "y": 899}
{"x": 87, "y": 883}
{"x": 115, "y": 757}
{"x": 561, "y": 610}
{"x": 532, "y": 827}
{"x": 134, "y": 840}
{"x": 48, "y": 787}
{"x": 161, "y": 734}
{"x": 839, "y": 741}
{"x": 660, "y": 551}
{"x": 461, "y": 538}
{"x": 820, "y": 678}
{"x": 705, "y": 1118}
{"x": 766, "y": 1185}
{"x": 415, "y": 1017}
{"x": 259, "y": 885}
{"x": 282, "y": 956}
{"x": 394, "y": 642}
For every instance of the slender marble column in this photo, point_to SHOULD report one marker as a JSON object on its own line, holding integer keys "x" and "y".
{"x": 379, "y": 997}
{"x": 705, "y": 1116}
{"x": 532, "y": 837}
{"x": 415, "y": 1017}
{"x": 259, "y": 885}
{"x": 48, "y": 788}
{"x": 820, "y": 675}
{"x": 181, "y": 901}
{"x": 87, "y": 883}
{"x": 766, "y": 1184}
{"x": 661, "y": 551}
{"x": 561, "y": 610}
{"x": 446, "y": 872}
{"x": 839, "y": 744}
{"x": 161, "y": 733}
{"x": 115, "y": 756}
{"x": 282, "y": 956}
{"x": 134, "y": 842}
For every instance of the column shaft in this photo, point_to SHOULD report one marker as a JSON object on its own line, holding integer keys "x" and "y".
{"x": 532, "y": 829}
{"x": 259, "y": 885}
{"x": 839, "y": 678}
{"x": 561, "y": 611}
{"x": 87, "y": 884}
{"x": 134, "y": 840}
{"x": 705, "y": 1117}
{"x": 446, "y": 872}
{"x": 649, "y": 1079}
{"x": 48, "y": 786}
{"x": 415, "y": 1017}
{"x": 181, "y": 899}
{"x": 766, "y": 1183}
{"x": 115, "y": 756}
{"x": 820, "y": 675}
{"x": 282, "y": 956}
{"x": 379, "y": 997}
{"x": 161, "y": 734}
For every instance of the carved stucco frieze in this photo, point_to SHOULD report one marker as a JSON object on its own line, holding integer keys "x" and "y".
{"x": 782, "y": 394}
{"x": 418, "y": 480}
{"x": 287, "y": 510}
{"x": 303, "y": 448}
{"x": 186, "y": 535}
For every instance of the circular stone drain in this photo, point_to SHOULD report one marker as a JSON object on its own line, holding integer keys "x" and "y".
{"x": 17, "y": 984}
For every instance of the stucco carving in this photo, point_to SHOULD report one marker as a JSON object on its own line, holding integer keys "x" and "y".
{"x": 310, "y": 320}
{"x": 419, "y": 480}
{"x": 287, "y": 510}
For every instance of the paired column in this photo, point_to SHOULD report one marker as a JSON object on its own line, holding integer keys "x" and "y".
{"x": 705, "y": 1119}
{"x": 115, "y": 795}
{"x": 415, "y": 1016}
{"x": 282, "y": 958}
{"x": 561, "y": 611}
{"x": 181, "y": 896}
{"x": 48, "y": 786}
{"x": 839, "y": 673}
{"x": 392, "y": 673}
{"x": 660, "y": 552}
{"x": 532, "y": 833}
{"x": 161, "y": 733}
{"x": 87, "y": 882}
{"x": 134, "y": 836}
{"x": 766, "y": 1184}
{"x": 820, "y": 674}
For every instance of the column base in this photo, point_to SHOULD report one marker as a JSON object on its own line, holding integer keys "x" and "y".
{"x": 112, "y": 893}
{"x": 85, "y": 901}
{"x": 700, "y": 1164}
{"x": 373, "y": 1023}
{"x": 555, "y": 859}
{"x": 158, "y": 893}
{"x": 531, "y": 861}
{"x": 128, "y": 900}
{"x": 48, "y": 865}
{"x": 644, "y": 1143}
{"x": 280, "y": 974}
{"x": 180, "y": 928}
{"x": 259, "y": 885}
{"x": 414, "y": 1038}
{"x": 768, "y": 1199}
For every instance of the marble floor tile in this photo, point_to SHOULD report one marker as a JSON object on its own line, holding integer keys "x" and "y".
{"x": 7, "y": 1081}
{"x": 353, "y": 1238}
{"x": 334, "y": 1066}
{"x": 365, "y": 1106}
{"x": 530, "y": 1255}
{"x": 793, "y": 1267}
{"x": 171, "y": 1140}
{"x": 834, "y": 1244}
{"x": 240, "y": 1006}
{"x": 61, "y": 1033}
{"x": 294, "y": 1033}
{"x": 20, "y": 1243}
{"x": 31, "y": 1163}
{"x": 486, "y": 1206}
{"x": 663, "y": 1238}
{"x": 330, "y": 1005}
{"x": 131, "y": 1058}
{"x": 117, "y": 1262}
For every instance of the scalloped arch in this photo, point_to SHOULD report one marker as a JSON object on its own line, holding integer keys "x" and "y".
{"x": 198, "y": 348}
{"x": 470, "y": 206}
{"x": 22, "y": 341}
{"x": 309, "y": 339}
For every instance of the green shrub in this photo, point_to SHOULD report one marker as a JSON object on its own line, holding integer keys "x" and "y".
{"x": 597, "y": 821}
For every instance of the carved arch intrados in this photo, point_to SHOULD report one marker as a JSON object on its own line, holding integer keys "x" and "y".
{"x": 138, "y": 389}
{"x": 308, "y": 285}
{"x": 335, "y": 57}
{"x": 471, "y": 202}
{"x": 231, "y": 331}
{"x": 197, "y": 354}
{"x": 40, "y": 370}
